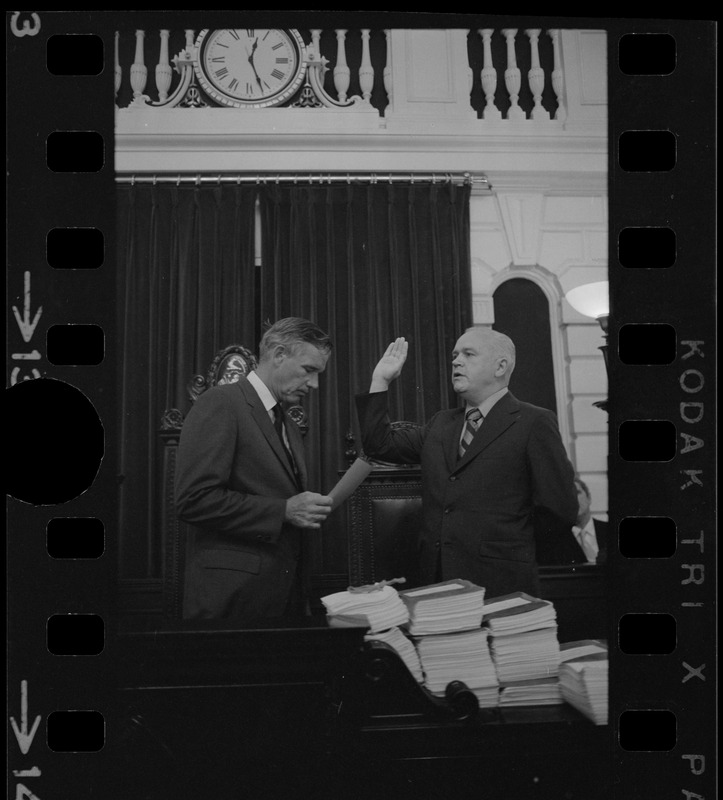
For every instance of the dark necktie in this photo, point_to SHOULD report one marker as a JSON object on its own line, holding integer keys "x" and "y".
{"x": 279, "y": 425}
{"x": 473, "y": 419}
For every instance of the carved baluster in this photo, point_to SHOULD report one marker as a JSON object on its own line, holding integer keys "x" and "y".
{"x": 163, "y": 68}
{"x": 388, "y": 68}
{"x": 489, "y": 77}
{"x": 557, "y": 79}
{"x": 139, "y": 73}
{"x": 118, "y": 70}
{"x": 341, "y": 70}
{"x": 316, "y": 41}
{"x": 189, "y": 38}
{"x": 366, "y": 71}
{"x": 512, "y": 76}
{"x": 536, "y": 75}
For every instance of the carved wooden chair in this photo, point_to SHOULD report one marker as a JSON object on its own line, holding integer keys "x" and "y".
{"x": 384, "y": 520}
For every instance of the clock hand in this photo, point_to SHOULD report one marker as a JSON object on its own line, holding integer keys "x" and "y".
{"x": 253, "y": 66}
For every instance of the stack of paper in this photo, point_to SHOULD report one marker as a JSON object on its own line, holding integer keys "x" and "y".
{"x": 460, "y": 656}
{"x": 379, "y": 608}
{"x": 454, "y": 605}
{"x": 404, "y": 647}
{"x": 540, "y": 692}
{"x": 523, "y": 637}
{"x": 582, "y": 647}
{"x": 584, "y": 685}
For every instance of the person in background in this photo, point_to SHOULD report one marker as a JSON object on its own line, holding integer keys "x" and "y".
{"x": 589, "y": 533}
{"x": 585, "y": 542}
{"x": 485, "y": 466}
{"x": 241, "y": 481}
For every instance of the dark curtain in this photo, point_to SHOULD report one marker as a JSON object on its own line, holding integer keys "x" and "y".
{"x": 368, "y": 263}
{"x": 185, "y": 288}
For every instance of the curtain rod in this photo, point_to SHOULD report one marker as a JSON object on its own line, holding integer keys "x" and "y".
{"x": 476, "y": 179}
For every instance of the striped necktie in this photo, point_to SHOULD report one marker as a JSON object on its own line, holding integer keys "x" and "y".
{"x": 473, "y": 419}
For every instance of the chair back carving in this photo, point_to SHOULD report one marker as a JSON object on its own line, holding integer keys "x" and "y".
{"x": 227, "y": 366}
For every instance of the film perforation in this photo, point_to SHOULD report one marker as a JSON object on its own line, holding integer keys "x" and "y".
{"x": 75, "y": 731}
{"x": 75, "y": 634}
{"x": 75, "y": 537}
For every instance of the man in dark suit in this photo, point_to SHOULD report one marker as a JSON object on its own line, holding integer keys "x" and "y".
{"x": 481, "y": 479}
{"x": 241, "y": 481}
{"x": 558, "y": 543}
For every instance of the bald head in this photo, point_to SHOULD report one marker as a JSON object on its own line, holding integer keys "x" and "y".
{"x": 482, "y": 362}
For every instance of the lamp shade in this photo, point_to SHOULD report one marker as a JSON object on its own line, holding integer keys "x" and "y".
{"x": 590, "y": 299}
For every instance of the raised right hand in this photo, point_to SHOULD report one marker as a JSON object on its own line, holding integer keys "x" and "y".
{"x": 308, "y": 509}
{"x": 389, "y": 366}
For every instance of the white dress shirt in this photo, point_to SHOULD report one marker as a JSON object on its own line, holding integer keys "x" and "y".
{"x": 267, "y": 399}
{"x": 588, "y": 540}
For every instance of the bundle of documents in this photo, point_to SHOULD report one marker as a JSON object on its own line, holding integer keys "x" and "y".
{"x": 518, "y": 612}
{"x": 461, "y": 656}
{"x": 584, "y": 679}
{"x": 582, "y": 647}
{"x": 380, "y": 608}
{"x": 523, "y": 637}
{"x": 454, "y": 605}
{"x": 539, "y": 692}
{"x": 404, "y": 647}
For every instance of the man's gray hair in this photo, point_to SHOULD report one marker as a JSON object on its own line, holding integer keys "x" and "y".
{"x": 504, "y": 346}
{"x": 292, "y": 331}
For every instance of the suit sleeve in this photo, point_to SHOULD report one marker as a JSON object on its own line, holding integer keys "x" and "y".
{"x": 379, "y": 439}
{"x": 553, "y": 477}
{"x": 207, "y": 451}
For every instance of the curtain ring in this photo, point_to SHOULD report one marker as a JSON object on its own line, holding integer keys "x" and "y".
{"x": 219, "y": 180}
{"x": 154, "y": 179}
{"x": 133, "y": 181}
{"x": 198, "y": 179}
{"x": 178, "y": 181}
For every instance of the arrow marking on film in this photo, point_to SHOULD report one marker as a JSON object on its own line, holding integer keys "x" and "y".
{"x": 27, "y": 328}
{"x": 24, "y": 738}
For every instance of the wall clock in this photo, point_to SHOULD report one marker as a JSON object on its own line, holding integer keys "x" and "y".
{"x": 254, "y": 67}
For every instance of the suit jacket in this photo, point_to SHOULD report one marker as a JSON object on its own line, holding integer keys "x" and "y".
{"x": 477, "y": 512}
{"x": 556, "y": 543}
{"x": 232, "y": 482}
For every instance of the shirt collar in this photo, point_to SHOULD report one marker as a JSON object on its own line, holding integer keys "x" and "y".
{"x": 262, "y": 390}
{"x": 486, "y": 405}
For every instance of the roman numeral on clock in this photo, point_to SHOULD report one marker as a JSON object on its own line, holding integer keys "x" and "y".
{"x": 277, "y": 73}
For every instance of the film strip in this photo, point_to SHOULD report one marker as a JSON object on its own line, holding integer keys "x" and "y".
{"x": 62, "y": 372}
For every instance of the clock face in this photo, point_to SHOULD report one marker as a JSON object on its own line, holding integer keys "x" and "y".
{"x": 254, "y": 67}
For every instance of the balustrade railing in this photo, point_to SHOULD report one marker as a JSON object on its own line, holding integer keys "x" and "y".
{"x": 514, "y": 74}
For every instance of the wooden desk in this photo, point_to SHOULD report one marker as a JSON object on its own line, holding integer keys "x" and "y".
{"x": 301, "y": 710}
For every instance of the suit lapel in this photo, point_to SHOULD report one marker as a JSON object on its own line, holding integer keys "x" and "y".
{"x": 502, "y": 416}
{"x": 451, "y": 436}
{"x": 266, "y": 426}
